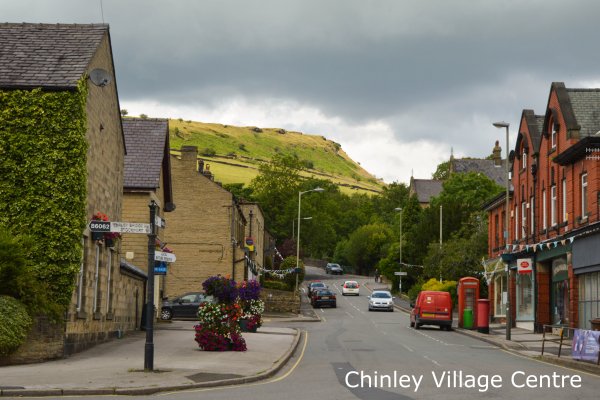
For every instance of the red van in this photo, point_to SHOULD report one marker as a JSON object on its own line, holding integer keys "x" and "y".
{"x": 432, "y": 308}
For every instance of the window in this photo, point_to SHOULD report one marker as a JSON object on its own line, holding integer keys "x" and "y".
{"x": 584, "y": 203}
{"x": 504, "y": 229}
{"x": 553, "y": 135}
{"x": 80, "y": 276}
{"x": 531, "y": 215}
{"x": 500, "y": 295}
{"x": 544, "y": 214}
{"x": 564, "y": 199}
{"x": 589, "y": 298}
{"x": 523, "y": 220}
{"x": 524, "y": 159}
{"x": 109, "y": 281}
{"x": 496, "y": 226}
{"x": 96, "y": 306}
{"x": 553, "y": 205}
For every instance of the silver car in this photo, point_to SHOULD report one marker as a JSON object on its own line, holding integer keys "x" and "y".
{"x": 381, "y": 300}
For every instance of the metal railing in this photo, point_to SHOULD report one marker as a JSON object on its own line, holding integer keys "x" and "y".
{"x": 557, "y": 334}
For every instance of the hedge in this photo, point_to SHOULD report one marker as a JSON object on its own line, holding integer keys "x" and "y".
{"x": 15, "y": 323}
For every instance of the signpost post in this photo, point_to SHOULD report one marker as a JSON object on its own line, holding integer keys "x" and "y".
{"x": 149, "y": 347}
{"x": 400, "y": 274}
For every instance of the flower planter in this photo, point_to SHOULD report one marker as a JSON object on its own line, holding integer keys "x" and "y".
{"x": 244, "y": 326}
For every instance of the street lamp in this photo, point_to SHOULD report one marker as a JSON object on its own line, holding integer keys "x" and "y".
{"x": 319, "y": 190}
{"x": 508, "y": 313}
{"x": 294, "y": 225}
{"x": 399, "y": 209}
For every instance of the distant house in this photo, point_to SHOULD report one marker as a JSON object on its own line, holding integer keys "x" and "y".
{"x": 493, "y": 169}
{"x": 424, "y": 190}
{"x": 207, "y": 229}
{"x": 147, "y": 178}
{"x": 47, "y": 66}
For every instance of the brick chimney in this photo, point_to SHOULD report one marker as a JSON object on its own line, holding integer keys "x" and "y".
{"x": 497, "y": 154}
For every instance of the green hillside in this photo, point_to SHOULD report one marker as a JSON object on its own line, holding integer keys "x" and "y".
{"x": 235, "y": 153}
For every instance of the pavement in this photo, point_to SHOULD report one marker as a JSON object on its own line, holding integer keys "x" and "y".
{"x": 117, "y": 366}
{"x": 523, "y": 342}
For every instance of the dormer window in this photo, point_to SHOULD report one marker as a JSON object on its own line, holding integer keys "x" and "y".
{"x": 554, "y": 135}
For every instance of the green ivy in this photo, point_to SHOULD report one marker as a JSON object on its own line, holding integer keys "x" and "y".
{"x": 43, "y": 151}
{"x": 14, "y": 324}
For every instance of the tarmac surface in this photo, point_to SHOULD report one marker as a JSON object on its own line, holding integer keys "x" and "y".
{"x": 116, "y": 367}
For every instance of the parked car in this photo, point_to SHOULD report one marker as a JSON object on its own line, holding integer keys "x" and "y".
{"x": 323, "y": 297}
{"x": 315, "y": 285}
{"x": 432, "y": 308}
{"x": 184, "y": 306}
{"x": 381, "y": 300}
{"x": 350, "y": 287}
{"x": 334, "y": 269}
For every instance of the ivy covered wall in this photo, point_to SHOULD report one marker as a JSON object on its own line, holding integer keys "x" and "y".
{"x": 43, "y": 179}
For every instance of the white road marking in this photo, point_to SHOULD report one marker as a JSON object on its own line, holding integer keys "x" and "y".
{"x": 407, "y": 348}
{"x": 349, "y": 314}
{"x": 433, "y": 361}
{"x": 322, "y": 310}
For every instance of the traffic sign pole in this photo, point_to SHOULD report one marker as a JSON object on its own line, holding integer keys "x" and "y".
{"x": 149, "y": 347}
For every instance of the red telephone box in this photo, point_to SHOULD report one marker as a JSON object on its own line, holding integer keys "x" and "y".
{"x": 468, "y": 294}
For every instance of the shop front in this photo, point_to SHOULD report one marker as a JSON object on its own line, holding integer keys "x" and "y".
{"x": 559, "y": 302}
{"x": 553, "y": 287}
{"x": 586, "y": 267}
{"x": 525, "y": 294}
{"x": 495, "y": 274}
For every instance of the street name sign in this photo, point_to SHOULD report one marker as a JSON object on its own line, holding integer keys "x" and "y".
{"x": 130, "y": 227}
{"x": 400, "y": 273}
{"x": 159, "y": 222}
{"x": 163, "y": 256}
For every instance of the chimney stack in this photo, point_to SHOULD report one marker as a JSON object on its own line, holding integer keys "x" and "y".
{"x": 497, "y": 154}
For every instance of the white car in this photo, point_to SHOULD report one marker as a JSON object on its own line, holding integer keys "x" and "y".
{"x": 350, "y": 287}
{"x": 381, "y": 300}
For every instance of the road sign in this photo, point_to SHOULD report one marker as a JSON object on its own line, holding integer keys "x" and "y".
{"x": 400, "y": 273}
{"x": 99, "y": 226}
{"x": 159, "y": 222}
{"x": 160, "y": 268}
{"x": 130, "y": 227}
{"x": 163, "y": 256}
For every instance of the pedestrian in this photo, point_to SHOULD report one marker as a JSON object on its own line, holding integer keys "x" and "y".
{"x": 376, "y": 275}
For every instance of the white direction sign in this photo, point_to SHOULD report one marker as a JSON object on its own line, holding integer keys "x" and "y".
{"x": 162, "y": 256}
{"x": 159, "y": 222}
{"x": 130, "y": 227}
{"x": 400, "y": 273}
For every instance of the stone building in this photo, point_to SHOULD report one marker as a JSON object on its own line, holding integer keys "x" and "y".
{"x": 206, "y": 231}
{"x": 147, "y": 178}
{"x": 424, "y": 190}
{"x": 54, "y": 58}
{"x": 553, "y": 216}
{"x": 255, "y": 236}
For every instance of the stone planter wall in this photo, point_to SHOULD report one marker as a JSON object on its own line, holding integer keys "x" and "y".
{"x": 45, "y": 342}
{"x": 280, "y": 301}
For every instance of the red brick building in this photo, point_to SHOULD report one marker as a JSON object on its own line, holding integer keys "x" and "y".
{"x": 553, "y": 216}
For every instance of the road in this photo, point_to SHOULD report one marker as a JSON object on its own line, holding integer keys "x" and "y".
{"x": 350, "y": 341}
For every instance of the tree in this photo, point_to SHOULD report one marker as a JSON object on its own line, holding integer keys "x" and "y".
{"x": 124, "y": 112}
{"x": 442, "y": 172}
{"x": 240, "y": 191}
{"x": 366, "y": 246}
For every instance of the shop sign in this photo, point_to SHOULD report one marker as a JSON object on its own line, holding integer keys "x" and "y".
{"x": 524, "y": 265}
{"x": 586, "y": 345}
{"x": 160, "y": 268}
{"x": 249, "y": 243}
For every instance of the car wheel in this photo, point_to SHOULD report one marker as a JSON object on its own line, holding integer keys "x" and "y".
{"x": 166, "y": 314}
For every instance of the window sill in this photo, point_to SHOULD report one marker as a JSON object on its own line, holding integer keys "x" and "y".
{"x": 81, "y": 315}
{"x": 110, "y": 316}
{"x": 97, "y": 316}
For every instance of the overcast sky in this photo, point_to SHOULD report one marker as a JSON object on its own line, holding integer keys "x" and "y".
{"x": 397, "y": 83}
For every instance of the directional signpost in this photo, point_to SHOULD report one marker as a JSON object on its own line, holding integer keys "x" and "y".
{"x": 400, "y": 274}
{"x": 121, "y": 227}
{"x": 163, "y": 256}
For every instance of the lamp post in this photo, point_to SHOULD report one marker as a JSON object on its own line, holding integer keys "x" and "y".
{"x": 508, "y": 312}
{"x": 319, "y": 190}
{"x": 399, "y": 209}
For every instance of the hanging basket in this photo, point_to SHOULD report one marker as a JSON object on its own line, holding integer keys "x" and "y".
{"x": 97, "y": 235}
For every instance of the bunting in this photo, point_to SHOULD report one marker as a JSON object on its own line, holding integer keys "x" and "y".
{"x": 535, "y": 247}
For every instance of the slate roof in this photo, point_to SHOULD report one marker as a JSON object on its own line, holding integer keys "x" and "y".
{"x": 586, "y": 107}
{"x": 486, "y": 167}
{"x": 425, "y": 189}
{"x": 146, "y": 140}
{"x": 52, "y": 56}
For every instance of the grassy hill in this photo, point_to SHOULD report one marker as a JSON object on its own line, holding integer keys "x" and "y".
{"x": 235, "y": 153}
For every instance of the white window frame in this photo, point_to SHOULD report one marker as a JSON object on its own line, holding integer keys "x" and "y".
{"x": 553, "y": 206}
{"x": 584, "y": 202}
{"x": 524, "y": 159}
{"x": 564, "y": 199}
{"x": 516, "y": 222}
{"x": 96, "y": 278}
{"x": 523, "y": 220}
{"x": 531, "y": 214}
{"x": 553, "y": 136}
{"x": 544, "y": 211}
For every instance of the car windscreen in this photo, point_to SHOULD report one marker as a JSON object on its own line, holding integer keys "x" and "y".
{"x": 318, "y": 285}
{"x": 381, "y": 295}
{"x": 351, "y": 285}
{"x": 324, "y": 292}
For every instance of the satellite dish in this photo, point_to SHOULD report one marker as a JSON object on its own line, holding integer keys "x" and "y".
{"x": 100, "y": 77}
